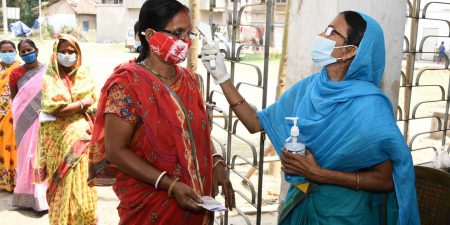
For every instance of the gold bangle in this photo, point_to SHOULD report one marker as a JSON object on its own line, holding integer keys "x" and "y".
{"x": 238, "y": 103}
{"x": 172, "y": 185}
{"x": 217, "y": 163}
{"x": 357, "y": 181}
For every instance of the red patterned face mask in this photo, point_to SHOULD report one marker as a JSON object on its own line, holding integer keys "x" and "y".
{"x": 169, "y": 48}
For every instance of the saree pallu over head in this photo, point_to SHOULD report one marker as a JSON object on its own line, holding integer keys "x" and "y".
{"x": 163, "y": 139}
{"x": 349, "y": 125}
{"x": 55, "y": 91}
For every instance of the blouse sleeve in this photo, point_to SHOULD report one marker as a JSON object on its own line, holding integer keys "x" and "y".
{"x": 121, "y": 103}
{"x": 14, "y": 77}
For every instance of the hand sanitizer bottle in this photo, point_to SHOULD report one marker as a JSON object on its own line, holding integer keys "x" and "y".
{"x": 293, "y": 143}
{"x": 295, "y": 146}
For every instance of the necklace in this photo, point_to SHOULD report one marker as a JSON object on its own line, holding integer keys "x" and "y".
{"x": 169, "y": 78}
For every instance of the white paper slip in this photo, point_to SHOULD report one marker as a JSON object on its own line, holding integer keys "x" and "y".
{"x": 45, "y": 117}
{"x": 212, "y": 204}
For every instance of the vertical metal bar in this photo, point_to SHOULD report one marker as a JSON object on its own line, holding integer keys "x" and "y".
{"x": 269, "y": 24}
{"x": 212, "y": 5}
{"x": 232, "y": 72}
{"x": 410, "y": 65}
{"x": 447, "y": 105}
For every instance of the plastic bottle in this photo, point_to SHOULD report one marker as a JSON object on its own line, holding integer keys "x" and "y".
{"x": 295, "y": 146}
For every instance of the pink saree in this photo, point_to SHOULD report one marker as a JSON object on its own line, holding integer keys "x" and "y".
{"x": 25, "y": 109}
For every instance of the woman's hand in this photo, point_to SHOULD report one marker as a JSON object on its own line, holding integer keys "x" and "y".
{"x": 220, "y": 178}
{"x": 304, "y": 166}
{"x": 186, "y": 198}
{"x": 211, "y": 51}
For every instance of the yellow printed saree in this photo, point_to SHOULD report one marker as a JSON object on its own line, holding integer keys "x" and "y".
{"x": 8, "y": 147}
{"x": 62, "y": 152}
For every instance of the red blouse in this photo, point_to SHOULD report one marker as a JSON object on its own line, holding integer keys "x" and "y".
{"x": 15, "y": 75}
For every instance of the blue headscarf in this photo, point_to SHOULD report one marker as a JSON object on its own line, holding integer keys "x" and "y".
{"x": 349, "y": 125}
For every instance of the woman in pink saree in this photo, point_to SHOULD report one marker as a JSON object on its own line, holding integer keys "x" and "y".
{"x": 25, "y": 85}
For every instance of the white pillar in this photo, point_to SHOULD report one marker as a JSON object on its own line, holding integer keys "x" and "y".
{"x": 5, "y": 20}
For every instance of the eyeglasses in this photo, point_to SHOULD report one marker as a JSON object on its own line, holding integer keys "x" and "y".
{"x": 330, "y": 30}
{"x": 182, "y": 36}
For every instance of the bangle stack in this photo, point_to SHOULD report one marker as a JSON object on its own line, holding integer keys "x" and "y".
{"x": 160, "y": 178}
{"x": 172, "y": 185}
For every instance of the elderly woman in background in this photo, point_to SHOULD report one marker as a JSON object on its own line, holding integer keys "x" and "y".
{"x": 8, "y": 147}
{"x": 68, "y": 97}
{"x": 357, "y": 153}
{"x": 25, "y": 84}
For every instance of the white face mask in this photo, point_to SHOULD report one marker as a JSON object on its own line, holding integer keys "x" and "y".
{"x": 67, "y": 60}
{"x": 322, "y": 49}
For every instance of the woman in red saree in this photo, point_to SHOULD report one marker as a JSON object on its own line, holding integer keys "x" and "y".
{"x": 152, "y": 125}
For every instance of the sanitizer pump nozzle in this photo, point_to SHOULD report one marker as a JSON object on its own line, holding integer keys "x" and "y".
{"x": 293, "y": 143}
{"x": 294, "y": 130}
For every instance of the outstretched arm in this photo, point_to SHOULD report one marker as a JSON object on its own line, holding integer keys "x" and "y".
{"x": 240, "y": 107}
{"x": 246, "y": 114}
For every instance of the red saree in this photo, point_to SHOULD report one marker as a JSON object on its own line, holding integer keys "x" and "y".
{"x": 162, "y": 139}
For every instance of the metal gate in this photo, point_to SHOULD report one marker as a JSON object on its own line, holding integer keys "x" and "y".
{"x": 417, "y": 80}
{"x": 223, "y": 118}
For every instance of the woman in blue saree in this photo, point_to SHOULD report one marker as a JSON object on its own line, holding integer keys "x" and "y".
{"x": 358, "y": 162}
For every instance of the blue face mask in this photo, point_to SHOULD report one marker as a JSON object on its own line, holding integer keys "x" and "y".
{"x": 29, "y": 58}
{"x": 8, "y": 57}
{"x": 322, "y": 49}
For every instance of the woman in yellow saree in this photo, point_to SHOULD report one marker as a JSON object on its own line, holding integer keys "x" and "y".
{"x": 8, "y": 147}
{"x": 68, "y": 97}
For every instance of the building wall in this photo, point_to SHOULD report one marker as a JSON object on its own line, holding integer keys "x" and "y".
{"x": 113, "y": 22}
{"x": 60, "y": 14}
{"x": 135, "y": 4}
{"x": 92, "y": 21}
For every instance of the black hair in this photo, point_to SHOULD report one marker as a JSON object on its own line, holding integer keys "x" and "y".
{"x": 136, "y": 27}
{"x": 356, "y": 27}
{"x": 156, "y": 14}
{"x": 28, "y": 41}
{"x": 4, "y": 42}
